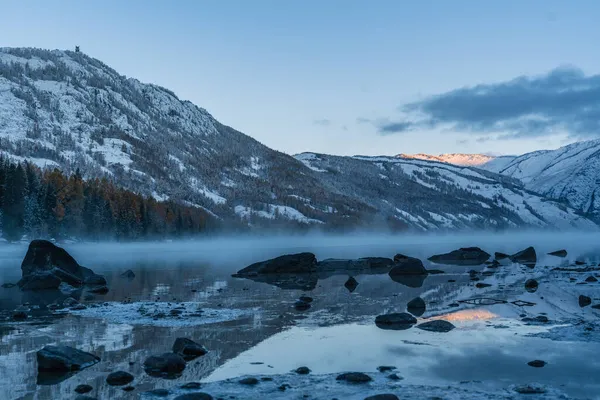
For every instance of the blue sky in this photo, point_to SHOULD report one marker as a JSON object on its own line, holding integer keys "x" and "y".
{"x": 350, "y": 77}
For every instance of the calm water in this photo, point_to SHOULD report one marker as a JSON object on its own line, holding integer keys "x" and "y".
{"x": 252, "y": 328}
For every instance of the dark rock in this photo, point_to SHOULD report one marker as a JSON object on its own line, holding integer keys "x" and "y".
{"x": 167, "y": 365}
{"x": 529, "y": 389}
{"x": 266, "y": 379}
{"x": 98, "y": 290}
{"x": 395, "y": 377}
{"x": 69, "y": 302}
{"x": 354, "y": 377}
{"x": 526, "y": 257}
{"x": 84, "y": 397}
{"x": 306, "y": 299}
{"x": 159, "y": 392}
{"x": 462, "y": 256}
{"x": 584, "y": 301}
{"x": 251, "y": 381}
{"x": 438, "y": 325}
{"x": 191, "y": 385}
{"x": 301, "y": 305}
{"x": 559, "y": 253}
{"x": 291, "y": 263}
{"x": 8, "y": 285}
{"x": 188, "y": 349}
{"x": 128, "y": 274}
{"x": 284, "y": 387}
{"x": 386, "y": 396}
{"x": 78, "y": 307}
{"x": 64, "y": 358}
{"x": 536, "y": 363}
{"x": 385, "y": 368}
{"x": 591, "y": 279}
{"x": 42, "y": 280}
{"x": 596, "y": 306}
{"x": 500, "y": 256}
{"x": 408, "y": 271}
{"x": 531, "y": 285}
{"x": 579, "y": 262}
{"x": 416, "y": 307}
{"x": 119, "y": 378}
{"x": 395, "y": 321}
{"x": 128, "y": 389}
{"x": 19, "y": 315}
{"x": 351, "y": 284}
{"x": 95, "y": 280}
{"x": 43, "y": 255}
{"x": 82, "y": 389}
{"x": 482, "y": 285}
{"x": 194, "y": 396}
{"x": 303, "y": 370}
{"x": 435, "y": 272}
{"x": 453, "y": 305}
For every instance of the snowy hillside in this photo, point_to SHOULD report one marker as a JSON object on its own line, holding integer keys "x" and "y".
{"x": 70, "y": 111}
{"x": 431, "y": 195}
{"x": 452, "y": 158}
{"x": 570, "y": 173}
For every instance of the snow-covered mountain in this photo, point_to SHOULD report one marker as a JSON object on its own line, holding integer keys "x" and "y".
{"x": 431, "y": 195}
{"x": 452, "y": 158}
{"x": 570, "y": 173}
{"x": 67, "y": 110}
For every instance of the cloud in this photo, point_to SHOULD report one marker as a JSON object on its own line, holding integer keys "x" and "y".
{"x": 322, "y": 122}
{"x": 564, "y": 100}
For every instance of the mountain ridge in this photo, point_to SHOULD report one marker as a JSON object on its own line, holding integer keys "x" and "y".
{"x": 66, "y": 110}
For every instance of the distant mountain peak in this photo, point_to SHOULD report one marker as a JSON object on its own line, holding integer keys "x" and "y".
{"x": 452, "y": 158}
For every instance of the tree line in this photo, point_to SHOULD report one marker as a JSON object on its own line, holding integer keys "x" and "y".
{"x": 37, "y": 203}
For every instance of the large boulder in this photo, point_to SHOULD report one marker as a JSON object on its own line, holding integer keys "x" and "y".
{"x": 46, "y": 266}
{"x": 395, "y": 321}
{"x": 462, "y": 256}
{"x": 188, "y": 349}
{"x": 64, "y": 359}
{"x": 167, "y": 365}
{"x": 408, "y": 271}
{"x": 366, "y": 263}
{"x": 526, "y": 257}
{"x": 287, "y": 264}
{"x": 416, "y": 307}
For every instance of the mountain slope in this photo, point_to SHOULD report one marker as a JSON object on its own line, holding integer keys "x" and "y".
{"x": 67, "y": 110}
{"x": 431, "y": 195}
{"x": 570, "y": 173}
{"x": 452, "y": 158}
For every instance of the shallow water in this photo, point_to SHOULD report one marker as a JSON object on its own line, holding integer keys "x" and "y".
{"x": 252, "y": 328}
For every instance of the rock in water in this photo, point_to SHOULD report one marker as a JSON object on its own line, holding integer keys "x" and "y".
{"x": 128, "y": 274}
{"x": 584, "y": 301}
{"x": 537, "y": 363}
{"x": 591, "y": 279}
{"x": 559, "y": 253}
{"x": 529, "y": 389}
{"x": 188, "y": 349}
{"x": 119, "y": 378}
{"x": 302, "y": 371}
{"x": 351, "y": 284}
{"x": 385, "y": 396}
{"x": 306, "y": 299}
{"x": 354, "y": 377}
{"x": 408, "y": 271}
{"x": 416, "y": 307}
{"x": 45, "y": 264}
{"x": 395, "y": 321}
{"x": 167, "y": 365}
{"x": 438, "y": 325}
{"x": 287, "y": 264}
{"x": 64, "y": 359}
{"x": 301, "y": 305}
{"x": 194, "y": 396}
{"x": 526, "y": 257}
{"x": 500, "y": 256}
{"x": 462, "y": 256}
{"x": 82, "y": 389}
{"x": 251, "y": 381}
{"x": 531, "y": 285}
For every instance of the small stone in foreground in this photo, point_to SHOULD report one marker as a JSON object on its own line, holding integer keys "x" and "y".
{"x": 537, "y": 363}
{"x": 248, "y": 381}
{"x": 584, "y": 301}
{"x": 436, "y": 326}
{"x": 531, "y": 285}
{"x": 81, "y": 389}
{"x": 416, "y": 307}
{"x": 303, "y": 371}
{"x": 529, "y": 389}
{"x": 386, "y": 396}
{"x": 119, "y": 378}
{"x": 354, "y": 377}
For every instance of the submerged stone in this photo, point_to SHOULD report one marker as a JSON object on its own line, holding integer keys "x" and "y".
{"x": 354, "y": 377}
{"x": 119, "y": 378}
{"x": 462, "y": 256}
{"x": 82, "y": 389}
{"x": 438, "y": 325}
